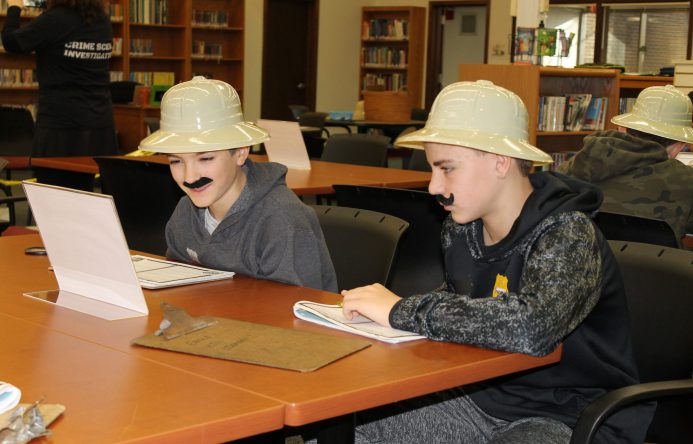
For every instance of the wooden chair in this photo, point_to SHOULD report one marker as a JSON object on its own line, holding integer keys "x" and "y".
{"x": 418, "y": 266}
{"x": 362, "y": 243}
{"x": 658, "y": 283}
{"x": 628, "y": 227}
{"x": 145, "y": 196}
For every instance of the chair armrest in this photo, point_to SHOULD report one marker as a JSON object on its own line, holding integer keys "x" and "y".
{"x": 596, "y": 413}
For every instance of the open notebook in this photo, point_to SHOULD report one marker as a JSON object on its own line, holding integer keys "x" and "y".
{"x": 90, "y": 257}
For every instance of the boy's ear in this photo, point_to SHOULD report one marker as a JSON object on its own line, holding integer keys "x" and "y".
{"x": 503, "y": 165}
{"x": 242, "y": 155}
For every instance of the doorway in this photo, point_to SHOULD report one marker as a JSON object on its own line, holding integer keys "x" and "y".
{"x": 457, "y": 33}
{"x": 289, "y": 57}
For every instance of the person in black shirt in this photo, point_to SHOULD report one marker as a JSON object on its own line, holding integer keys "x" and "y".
{"x": 73, "y": 41}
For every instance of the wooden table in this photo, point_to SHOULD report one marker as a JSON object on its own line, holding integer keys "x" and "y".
{"x": 318, "y": 180}
{"x": 378, "y": 375}
{"x": 111, "y": 396}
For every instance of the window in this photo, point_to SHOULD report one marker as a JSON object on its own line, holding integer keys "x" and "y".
{"x": 646, "y": 38}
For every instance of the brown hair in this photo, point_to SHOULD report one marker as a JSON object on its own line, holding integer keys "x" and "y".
{"x": 89, "y": 10}
{"x": 525, "y": 166}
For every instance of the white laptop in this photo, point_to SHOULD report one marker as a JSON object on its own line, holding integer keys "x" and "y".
{"x": 90, "y": 258}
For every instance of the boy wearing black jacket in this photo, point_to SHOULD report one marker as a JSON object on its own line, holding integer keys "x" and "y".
{"x": 525, "y": 271}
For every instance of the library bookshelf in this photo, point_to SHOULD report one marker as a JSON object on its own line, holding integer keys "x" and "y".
{"x": 169, "y": 39}
{"x": 532, "y": 82}
{"x": 392, "y": 49}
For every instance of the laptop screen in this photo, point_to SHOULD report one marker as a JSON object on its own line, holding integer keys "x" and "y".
{"x": 86, "y": 246}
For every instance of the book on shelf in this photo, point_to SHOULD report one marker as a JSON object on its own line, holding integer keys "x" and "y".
{"x": 595, "y": 115}
{"x": 385, "y": 29}
{"x": 383, "y": 57}
{"x": 576, "y": 106}
{"x": 524, "y": 41}
{"x": 153, "y": 78}
{"x": 546, "y": 41}
{"x": 18, "y": 77}
{"x": 117, "y": 48}
{"x": 149, "y": 12}
{"x": 331, "y": 316}
{"x": 210, "y": 19}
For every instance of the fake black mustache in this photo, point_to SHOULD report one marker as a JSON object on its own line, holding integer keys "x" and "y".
{"x": 445, "y": 200}
{"x": 202, "y": 181}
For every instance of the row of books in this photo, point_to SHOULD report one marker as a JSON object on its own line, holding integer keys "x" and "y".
{"x": 117, "y": 46}
{"x": 153, "y": 78}
{"x": 572, "y": 112}
{"x": 385, "y": 29}
{"x": 27, "y": 11}
{"x": 384, "y": 82}
{"x": 116, "y": 11}
{"x": 18, "y": 77}
{"x": 141, "y": 47}
{"x": 383, "y": 57}
{"x": 115, "y": 76}
{"x": 625, "y": 104}
{"x": 203, "y": 49}
{"x": 211, "y": 19}
{"x": 149, "y": 11}
{"x": 558, "y": 159}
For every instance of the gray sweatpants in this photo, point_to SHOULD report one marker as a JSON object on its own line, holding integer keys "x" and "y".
{"x": 452, "y": 417}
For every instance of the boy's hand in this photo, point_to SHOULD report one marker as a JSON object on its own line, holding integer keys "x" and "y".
{"x": 372, "y": 301}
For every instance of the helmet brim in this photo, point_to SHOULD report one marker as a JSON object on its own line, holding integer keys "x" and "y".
{"x": 662, "y": 129}
{"x": 235, "y": 136}
{"x": 491, "y": 143}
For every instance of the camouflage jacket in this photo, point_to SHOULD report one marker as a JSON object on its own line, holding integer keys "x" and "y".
{"x": 637, "y": 177}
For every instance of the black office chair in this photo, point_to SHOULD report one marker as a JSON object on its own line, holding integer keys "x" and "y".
{"x": 145, "y": 196}
{"x": 658, "y": 282}
{"x": 417, "y": 161}
{"x": 152, "y": 124}
{"x": 362, "y": 243}
{"x": 628, "y": 227}
{"x": 298, "y": 110}
{"x": 357, "y": 149}
{"x": 16, "y": 141}
{"x": 314, "y": 139}
{"x": 418, "y": 266}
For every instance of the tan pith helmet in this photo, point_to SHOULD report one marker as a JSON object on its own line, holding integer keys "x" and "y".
{"x": 660, "y": 110}
{"x": 478, "y": 115}
{"x": 202, "y": 115}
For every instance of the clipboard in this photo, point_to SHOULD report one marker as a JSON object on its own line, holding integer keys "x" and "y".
{"x": 259, "y": 344}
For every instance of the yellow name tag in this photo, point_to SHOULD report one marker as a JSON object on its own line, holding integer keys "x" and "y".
{"x": 501, "y": 286}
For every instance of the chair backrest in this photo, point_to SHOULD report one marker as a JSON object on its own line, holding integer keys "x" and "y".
{"x": 297, "y": 110}
{"x": 362, "y": 243}
{"x": 658, "y": 282}
{"x": 152, "y": 124}
{"x": 418, "y": 162}
{"x": 312, "y": 118}
{"x": 358, "y": 149}
{"x": 122, "y": 91}
{"x": 145, "y": 196}
{"x": 418, "y": 266}
{"x": 627, "y": 227}
{"x": 17, "y": 129}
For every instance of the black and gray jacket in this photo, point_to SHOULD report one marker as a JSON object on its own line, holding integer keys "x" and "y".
{"x": 268, "y": 233}
{"x": 555, "y": 281}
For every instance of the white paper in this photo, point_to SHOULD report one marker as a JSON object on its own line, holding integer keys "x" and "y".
{"x": 331, "y": 316}
{"x": 286, "y": 144}
{"x": 157, "y": 273}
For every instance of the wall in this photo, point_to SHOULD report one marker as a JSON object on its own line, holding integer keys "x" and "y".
{"x": 461, "y": 48}
{"x": 338, "y": 49}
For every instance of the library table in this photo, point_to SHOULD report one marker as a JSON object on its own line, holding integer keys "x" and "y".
{"x": 112, "y": 397}
{"x": 380, "y": 374}
{"x": 318, "y": 180}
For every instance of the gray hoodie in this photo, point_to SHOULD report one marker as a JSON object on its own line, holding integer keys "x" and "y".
{"x": 268, "y": 233}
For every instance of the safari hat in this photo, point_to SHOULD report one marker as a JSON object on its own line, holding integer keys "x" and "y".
{"x": 202, "y": 115}
{"x": 660, "y": 110}
{"x": 478, "y": 115}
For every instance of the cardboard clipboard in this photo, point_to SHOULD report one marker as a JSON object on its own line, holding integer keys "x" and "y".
{"x": 259, "y": 344}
